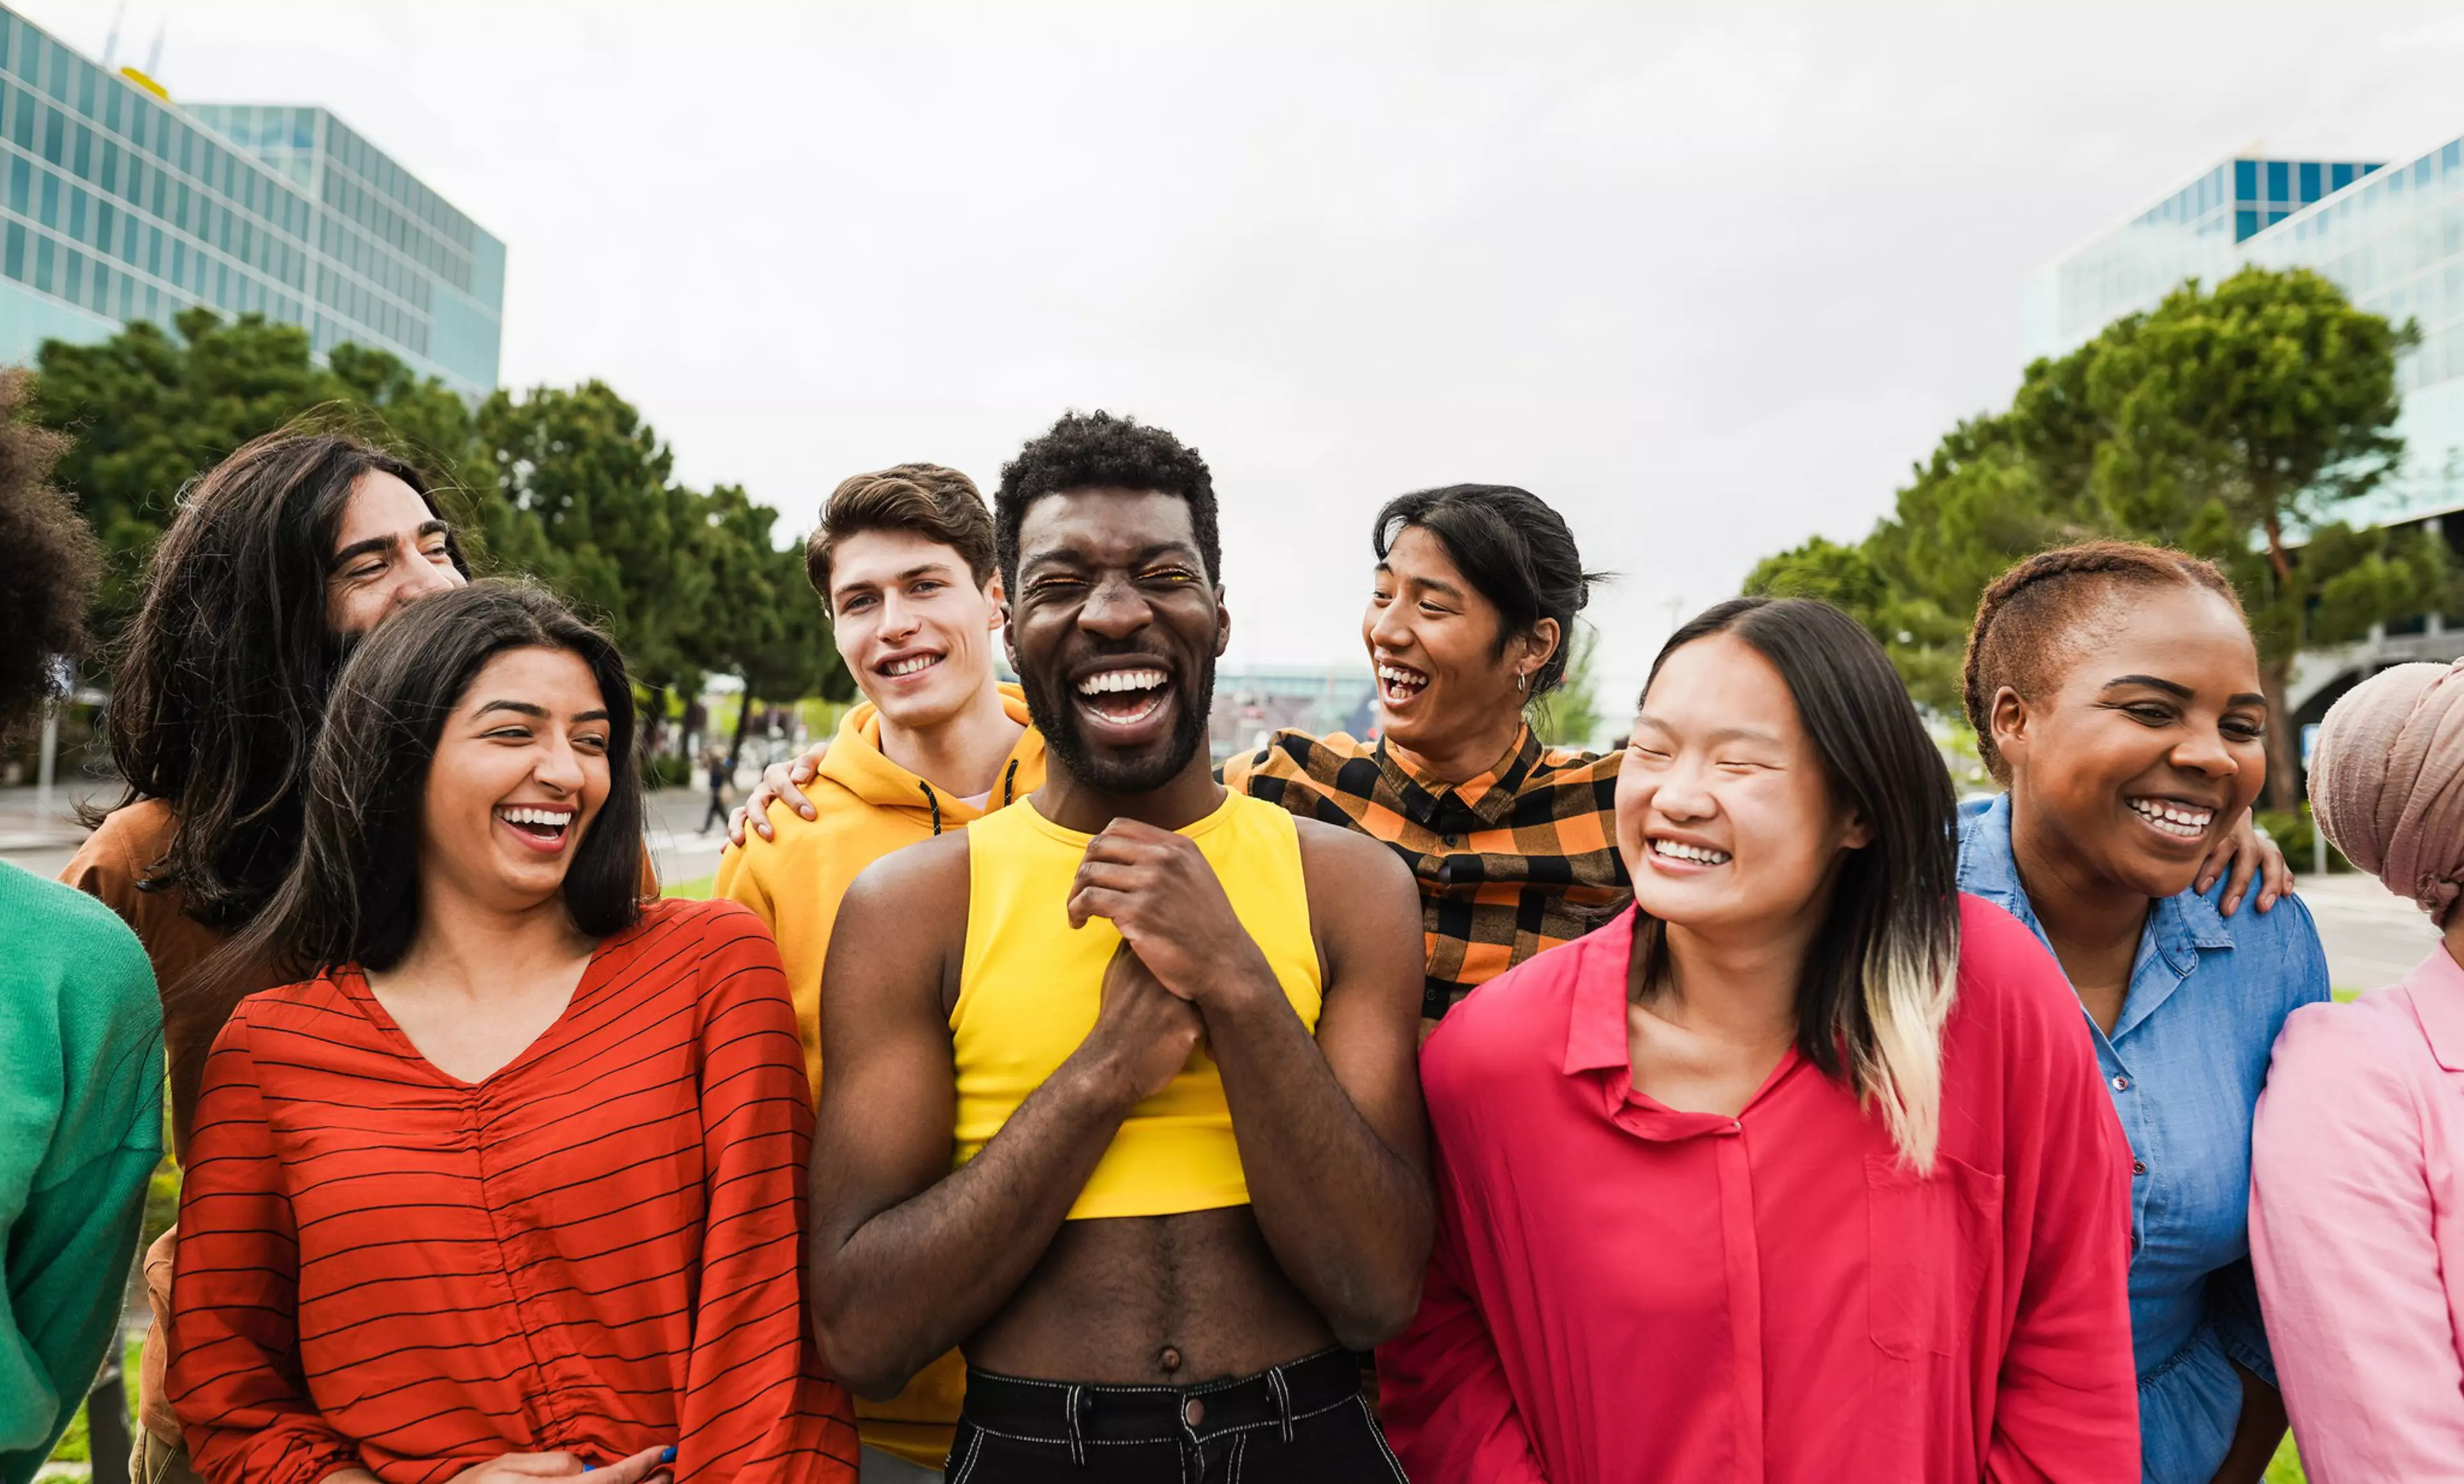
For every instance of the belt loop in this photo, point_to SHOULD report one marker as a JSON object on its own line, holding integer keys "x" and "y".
{"x": 1077, "y": 1440}
{"x": 1283, "y": 1400}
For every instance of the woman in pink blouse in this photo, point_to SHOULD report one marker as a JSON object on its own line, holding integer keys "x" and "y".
{"x": 1801, "y": 1171}
{"x": 2357, "y": 1196}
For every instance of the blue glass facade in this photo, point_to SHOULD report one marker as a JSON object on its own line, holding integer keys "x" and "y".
{"x": 2392, "y": 237}
{"x": 117, "y": 205}
{"x": 2196, "y": 232}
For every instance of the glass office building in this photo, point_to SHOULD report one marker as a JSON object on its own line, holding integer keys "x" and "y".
{"x": 117, "y": 205}
{"x": 2196, "y": 232}
{"x": 2391, "y": 236}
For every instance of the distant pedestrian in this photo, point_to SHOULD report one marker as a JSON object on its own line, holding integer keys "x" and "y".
{"x": 719, "y": 775}
{"x": 2357, "y": 1192}
{"x": 80, "y": 1030}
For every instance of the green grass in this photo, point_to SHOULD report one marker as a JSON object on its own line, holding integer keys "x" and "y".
{"x": 696, "y": 889}
{"x": 2287, "y": 1467}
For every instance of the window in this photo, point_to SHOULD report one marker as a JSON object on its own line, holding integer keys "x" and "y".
{"x": 12, "y": 251}
{"x": 21, "y": 186}
{"x": 2279, "y": 180}
{"x": 71, "y": 276}
{"x": 50, "y": 212}
{"x": 2310, "y": 190}
{"x": 2244, "y": 223}
{"x": 46, "y": 264}
{"x": 56, "y": 134}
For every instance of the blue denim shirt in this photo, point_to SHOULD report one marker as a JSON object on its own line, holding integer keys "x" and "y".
{"x": 2185, "y": 1062}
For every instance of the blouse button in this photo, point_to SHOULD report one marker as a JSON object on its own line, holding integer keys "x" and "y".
{"x": 2122, "y": 1084}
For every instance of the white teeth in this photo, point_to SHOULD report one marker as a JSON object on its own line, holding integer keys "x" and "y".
{"x": 1682, "y": 851}
{"x": 2181, "y": 819}
{"x": 910, "y": 665}
{"x": 556, "y": 818}
{"x": 1396, "y": 675}
{"x": 1111, "y": 681}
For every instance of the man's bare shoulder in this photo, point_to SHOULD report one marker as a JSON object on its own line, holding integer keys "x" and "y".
{"x": 1343, "y": 857}
{"x": 927, "y": 875}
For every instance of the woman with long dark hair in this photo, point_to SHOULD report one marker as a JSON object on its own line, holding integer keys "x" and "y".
{"x": 511, "y": 1182}
{"x": 280, "y": 559}
{"x": 1798, "y": 1170}
{"x": 2115, "y": 692}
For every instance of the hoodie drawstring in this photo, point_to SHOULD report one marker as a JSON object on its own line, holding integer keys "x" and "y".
{"x": 1010, "y": 783}
{"x": 931, "y": 799}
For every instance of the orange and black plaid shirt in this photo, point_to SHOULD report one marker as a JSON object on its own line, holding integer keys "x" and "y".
{"x": 1521, "y": 858}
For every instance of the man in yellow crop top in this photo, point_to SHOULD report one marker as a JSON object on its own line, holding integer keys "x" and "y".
{"x": 904, "y": 561}
{"x": 1122, "y": 1096}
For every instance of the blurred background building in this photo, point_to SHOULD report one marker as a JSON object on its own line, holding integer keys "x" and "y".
{"x": 2392, "y": 237}
{"x": 1255, "y": 702}
{"x": 117, "y": 203}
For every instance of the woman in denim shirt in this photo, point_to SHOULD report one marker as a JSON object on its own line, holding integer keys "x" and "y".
{"x": 2115, "y": 691}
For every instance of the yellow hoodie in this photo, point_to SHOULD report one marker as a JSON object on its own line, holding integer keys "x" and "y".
{"x": 867, "y": 806}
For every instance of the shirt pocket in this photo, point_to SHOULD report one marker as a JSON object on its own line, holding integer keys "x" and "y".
{"x": 1933, "y": 1239}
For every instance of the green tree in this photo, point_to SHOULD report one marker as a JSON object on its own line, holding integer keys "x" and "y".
{"x": 764, "y": 623}
{"x": 1571, "y": 716}
{"x": 149, "y": 410}
{"x": 2232, "y": 424}
{"x": 2236, "y": 423}
{"x": 582, "y": 494}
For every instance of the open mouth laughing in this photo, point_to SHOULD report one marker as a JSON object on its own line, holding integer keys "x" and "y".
{"x": 1124, "y": 698}
{"x": 1398, "y": 684}
{"x": 542, "y": 827}
{"x": 2173, "y": 817}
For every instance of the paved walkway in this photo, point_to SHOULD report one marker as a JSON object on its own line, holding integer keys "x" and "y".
{"x": 43, "y": 843}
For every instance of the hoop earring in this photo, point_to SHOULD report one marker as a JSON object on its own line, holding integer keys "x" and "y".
{"x": 1522, "y": 682}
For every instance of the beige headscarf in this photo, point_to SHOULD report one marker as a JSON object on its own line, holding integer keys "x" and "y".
{"x": 2387, "y": 781}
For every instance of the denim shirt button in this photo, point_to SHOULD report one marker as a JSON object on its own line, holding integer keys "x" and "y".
{"x": 2122, "y": 1084}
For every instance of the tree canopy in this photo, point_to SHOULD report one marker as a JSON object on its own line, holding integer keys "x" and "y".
{"x": 2235, "y": 424}
{"x": 571, "y": 486}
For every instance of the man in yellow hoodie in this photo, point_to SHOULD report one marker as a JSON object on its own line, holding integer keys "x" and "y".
{"x": 903, "y": 562}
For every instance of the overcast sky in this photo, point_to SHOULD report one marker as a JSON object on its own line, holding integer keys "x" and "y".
{"x": 1707, "y": 277}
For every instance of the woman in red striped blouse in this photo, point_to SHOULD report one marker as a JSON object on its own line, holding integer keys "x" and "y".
{"x": 516, "y": 1188}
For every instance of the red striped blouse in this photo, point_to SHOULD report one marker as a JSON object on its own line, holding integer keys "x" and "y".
{"x": 597, "y": 1248}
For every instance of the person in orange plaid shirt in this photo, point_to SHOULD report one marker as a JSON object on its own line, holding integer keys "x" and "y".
{"x": 1513, "y": 843}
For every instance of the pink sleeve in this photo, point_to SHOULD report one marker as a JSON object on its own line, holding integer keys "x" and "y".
{"x": 1443, "y": 1393}
{"x": 2342, "y": 1239}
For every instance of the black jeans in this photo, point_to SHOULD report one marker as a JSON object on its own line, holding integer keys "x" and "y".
{"x": 1300, "y": 1423}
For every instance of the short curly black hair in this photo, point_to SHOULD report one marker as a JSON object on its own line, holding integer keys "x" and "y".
{"x": 1087, "y": 450}
{"x": 49, "y": 560}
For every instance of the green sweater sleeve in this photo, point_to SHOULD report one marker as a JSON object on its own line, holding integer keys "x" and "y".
{"x": 80, "y": 1131}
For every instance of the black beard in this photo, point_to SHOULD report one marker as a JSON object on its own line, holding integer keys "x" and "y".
{"x": 1056, "y": 716}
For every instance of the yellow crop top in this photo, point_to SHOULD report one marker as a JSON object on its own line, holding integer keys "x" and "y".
{"x": 1030, "y": 985}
